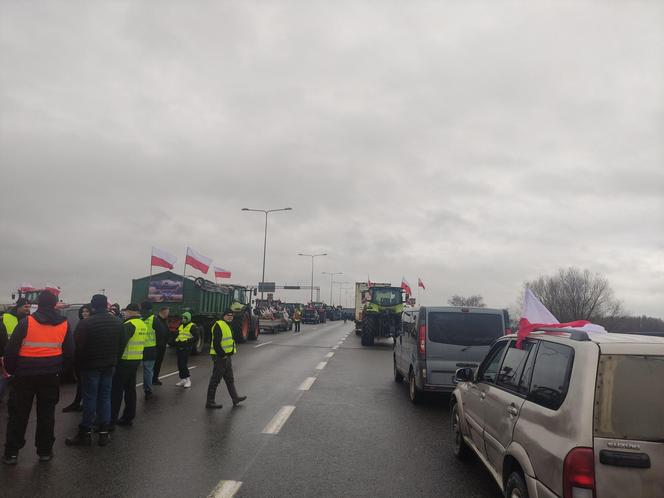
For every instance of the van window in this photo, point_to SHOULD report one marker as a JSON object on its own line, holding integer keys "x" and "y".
{"x": 513, "y": 365}
{"x": 464, "y": 329}
{"x": 629, "y": 398}
{"x": 489, "y": 367}
{"x": 550, "y": 379}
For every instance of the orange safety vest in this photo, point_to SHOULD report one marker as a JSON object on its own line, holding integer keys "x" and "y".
{"x": 43, "y": 340}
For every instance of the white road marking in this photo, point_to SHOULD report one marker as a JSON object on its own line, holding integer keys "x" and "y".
{"x": 321, "y": 365}
{"x": 329, "y": 355}
{"x": 225, "y": 489}
{"x": 306, "y": 385}
{"x": 263, "y": 344}
{"x": 167, "y": 375}
{"x": 279, "y": 420}
{"x": 335, "y": 347}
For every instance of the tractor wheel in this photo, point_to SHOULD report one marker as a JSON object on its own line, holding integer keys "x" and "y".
{"x": 255, "y": 330}
{"x": 241, "y": 328}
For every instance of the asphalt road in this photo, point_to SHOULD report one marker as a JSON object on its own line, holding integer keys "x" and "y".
{"x": 323, "y": 417}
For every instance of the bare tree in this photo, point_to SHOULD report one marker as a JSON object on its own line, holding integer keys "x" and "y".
{"x": 573, "y": 294}
{"x": 475, "y": 300}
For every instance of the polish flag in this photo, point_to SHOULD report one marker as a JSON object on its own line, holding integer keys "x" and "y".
{"x": 221, "y": 273}
{"x": 535, "y": 316}
{"x": 53, "y": 289}
{"x": 369, "y": 282}
{"x": 198, "y": 261}
{"x": 162, "y": 258}
{"x": 420, "y": 283}
{"x": 405, "y": 286}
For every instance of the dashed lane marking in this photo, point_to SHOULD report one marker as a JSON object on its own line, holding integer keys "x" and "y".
{"x": 321, "y": 365}
{"x": 306, "y": 385}
{"x": 225, "y": 489}
{"x": 335, "y": 347}
{"x": 167, "y": 375}
{"x": 279, "y": 420}
{"x": 329, "y": 355}
{"x": 263, "y": 344}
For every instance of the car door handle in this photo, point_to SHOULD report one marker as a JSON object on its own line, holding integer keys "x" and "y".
{"x": 512, "y": 410}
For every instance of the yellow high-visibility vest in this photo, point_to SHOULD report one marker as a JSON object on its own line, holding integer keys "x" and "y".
{"x": 150, "y": 336}
{"x": 10, "y": 322}
{"x": 184, "y": 333}
{"x": 134, "y": 349}
{"x": 227, "y": 341}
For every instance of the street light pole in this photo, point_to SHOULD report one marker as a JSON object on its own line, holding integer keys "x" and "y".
{"x": 266, "y": 211}
{"x": 332, "y": 274}
{"x": 312, "y": 256}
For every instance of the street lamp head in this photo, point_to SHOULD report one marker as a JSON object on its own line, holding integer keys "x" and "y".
{"x": 245, "y": 209}
{"x": 288, "y": 209}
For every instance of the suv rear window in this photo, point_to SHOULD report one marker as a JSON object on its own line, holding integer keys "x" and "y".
{"x": 629, "y": 398}
{"x": 550, "y": 379}
{"x": 464, "y": 329}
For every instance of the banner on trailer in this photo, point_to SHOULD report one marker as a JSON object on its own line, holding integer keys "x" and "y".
{"x": 166, "y": 290}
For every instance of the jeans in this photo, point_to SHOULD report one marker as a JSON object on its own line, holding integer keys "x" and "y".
{"x": 297, "y": 325}
{"x": 96, "y": 386}
{"x": 148, "y": 374}
{"x": 183, "y": 360}
{"x": 222, "y": 368}
{"x": 124, "y": 385}
{"x": 23, "y": 390}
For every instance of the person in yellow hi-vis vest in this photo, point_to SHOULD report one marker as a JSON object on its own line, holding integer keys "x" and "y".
{"x": 124, "y": 377}
{"x": 187, "y": 335}
{"x": 8, "y": 323}
{"x": 222, "y": 350}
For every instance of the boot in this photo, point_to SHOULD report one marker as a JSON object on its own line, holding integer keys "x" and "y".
{"x": 83, "y": 438}
{"x": 9, "y": 459}
{"x": 211, "y": 403}
{"x": 104, "y": 438}
{"x": 238, "y": 400}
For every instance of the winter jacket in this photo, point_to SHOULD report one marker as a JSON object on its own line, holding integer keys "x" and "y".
{"x": 161, "y": 330}
{"x": 99, "y": 341}
{"x": 24, "y": 366}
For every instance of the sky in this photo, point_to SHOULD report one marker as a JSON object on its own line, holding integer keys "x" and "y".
{"x": 477, "y": 145}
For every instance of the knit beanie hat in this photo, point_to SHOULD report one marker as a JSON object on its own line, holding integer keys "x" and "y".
{"x": 47, "y": 299}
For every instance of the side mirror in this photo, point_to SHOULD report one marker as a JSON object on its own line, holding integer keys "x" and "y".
{"x": 466, "y": 374}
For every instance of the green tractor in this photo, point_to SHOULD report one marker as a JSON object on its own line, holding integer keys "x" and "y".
{"x": 381, "y": 314}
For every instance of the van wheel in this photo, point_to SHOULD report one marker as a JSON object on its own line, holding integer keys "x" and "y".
{"x": 516, "y": 486}
{"x": 461, "y": 449}
{"x": 398, "y": 377}
{"x": 414, "y": 393}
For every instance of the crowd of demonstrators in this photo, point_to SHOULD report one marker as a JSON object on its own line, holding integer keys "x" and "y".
{"x": 39, "y": 348}
{"x": 106, "y": 350}
{"x": 8, "y": 323}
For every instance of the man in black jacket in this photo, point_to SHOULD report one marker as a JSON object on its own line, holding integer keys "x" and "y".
{"x": 99, "y": 343}
{"x": 38, "y": 350}
{"x": 162, "y": 333}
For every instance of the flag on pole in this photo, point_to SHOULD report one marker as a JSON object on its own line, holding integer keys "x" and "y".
{"x": 420, "y": 283}
{"x": 536, "y": 316}
{"x": 369, "y": 282}
{"x": 162, "y": 258}
{"x": 405, "y": 286}
{"x": 221, "y": 273}
{"x": 197, "y": 260}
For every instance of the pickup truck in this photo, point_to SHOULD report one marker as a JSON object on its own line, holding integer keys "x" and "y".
{"x": 275, "y": 321}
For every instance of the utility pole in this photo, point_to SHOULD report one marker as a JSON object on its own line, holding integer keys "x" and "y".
{"x": 312, "y": 256}
{"x": 332, "y": 274}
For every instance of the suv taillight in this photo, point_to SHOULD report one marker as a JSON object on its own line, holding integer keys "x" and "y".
{"x": 422, "y": 339}
{"x": 579, "y": 472}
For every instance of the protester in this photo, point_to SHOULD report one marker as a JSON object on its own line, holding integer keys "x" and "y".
{"x": 187, "y": 334}
{"x": 115, "y": 310}
{"x": 8, "y": 323}
{"x": 39, "y": 348}
{"x": 297, "y": 319}
{"x": 124, "y": 378}
{"x": 221, "y": 350}
{"x": 150, "y": 350}
{"x": 162, "y": 334}
{"x": 76, "y": 406}
{"x": 99, "y": 343}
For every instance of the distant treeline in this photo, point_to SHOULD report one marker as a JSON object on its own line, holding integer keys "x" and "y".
{"x": 632, "y": 324}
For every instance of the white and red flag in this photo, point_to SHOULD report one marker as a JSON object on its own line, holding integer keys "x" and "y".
{"x": 369, "y": 282}
{"x": 405, "y": 286}
{"x": 197, "y": 260}
{"x": 535, "y": 316}
{"x": 221, "y": 273}
{"x": 162, "y": 258}
{"x": 53, "y": 289}
{"x": 420, "y": 283}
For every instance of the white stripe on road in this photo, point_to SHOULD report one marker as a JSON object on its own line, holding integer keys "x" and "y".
{"x": 279, "y": 420}
{"x": 321, "y": 365}
{"x": 335, "y": 347}
{"x": 263, "y": 344}
{"x": 225, "y": 489}
{"x": 306, "y": 385}
{"x": 329, "y": 355}
{"x": 168, "y": 375}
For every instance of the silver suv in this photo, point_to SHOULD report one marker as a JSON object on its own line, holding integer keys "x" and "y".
{"x": 568, "y": 414}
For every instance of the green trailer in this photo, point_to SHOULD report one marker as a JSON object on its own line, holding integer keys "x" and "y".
{"x": 205, "y": 300}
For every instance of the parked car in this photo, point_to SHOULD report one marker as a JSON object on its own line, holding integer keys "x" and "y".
{"x": 435, "y": 341}
{"x": 276, "y": 321}
{"x": 310, "y": 315}
{"x": 567, "y": 414}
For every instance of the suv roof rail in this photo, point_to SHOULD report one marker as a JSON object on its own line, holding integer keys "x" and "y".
{"x": 575, "y": 335}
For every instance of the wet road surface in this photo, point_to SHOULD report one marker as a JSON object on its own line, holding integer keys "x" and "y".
{"x": 323, "y": 417}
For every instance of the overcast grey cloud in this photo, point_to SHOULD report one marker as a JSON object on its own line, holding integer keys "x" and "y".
{"x": 474, "y": 144}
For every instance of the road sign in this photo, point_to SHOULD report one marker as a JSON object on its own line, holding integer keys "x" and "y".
{"x": 266, "y": 286}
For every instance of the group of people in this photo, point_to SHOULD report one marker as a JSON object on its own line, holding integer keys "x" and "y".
{"x": 106, "y": 352}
